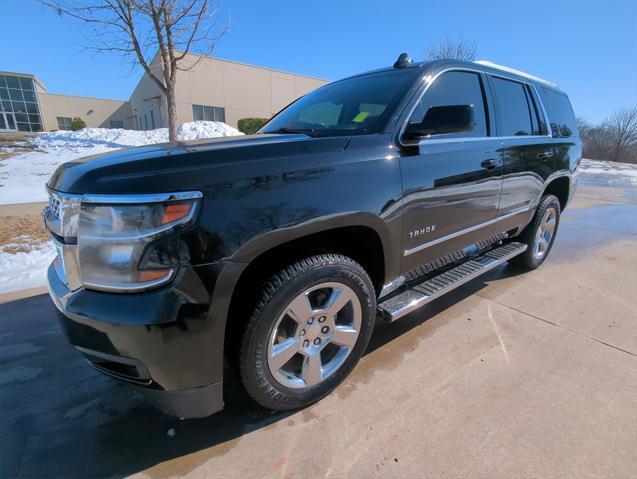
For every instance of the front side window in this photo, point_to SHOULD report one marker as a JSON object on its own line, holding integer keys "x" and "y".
{"x": 455, "y": 88}
{"x": 64, "y": 122}
{"x": 515, "y": 113}
{"x": 355, "y": 106}
{"x": 563, "y": 122}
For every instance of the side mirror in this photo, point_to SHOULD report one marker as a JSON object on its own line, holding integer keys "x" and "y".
{"x": 442, "y": 119}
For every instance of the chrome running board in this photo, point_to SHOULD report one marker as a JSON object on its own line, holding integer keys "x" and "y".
{"x": 420, "y": 294}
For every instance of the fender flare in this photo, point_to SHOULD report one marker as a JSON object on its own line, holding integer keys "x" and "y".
{"x": 280, "y": 236}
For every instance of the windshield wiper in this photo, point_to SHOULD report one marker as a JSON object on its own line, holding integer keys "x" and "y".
{"x": 306, "y": 131}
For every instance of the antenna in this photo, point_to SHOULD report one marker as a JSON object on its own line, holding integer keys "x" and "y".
{"x": 403, "y": 60}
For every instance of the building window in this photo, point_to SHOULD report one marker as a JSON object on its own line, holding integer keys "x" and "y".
{"x": 152, "y": 120}
{"x": 145, "y": 121}
{"x": 117, "y": 124}
{"x": 18, "y": 100}
{"x": 64, "y": 123}
{"x": 208, "y": 113}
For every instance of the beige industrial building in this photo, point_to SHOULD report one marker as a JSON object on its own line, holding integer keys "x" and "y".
{"x": 214, "y": 89}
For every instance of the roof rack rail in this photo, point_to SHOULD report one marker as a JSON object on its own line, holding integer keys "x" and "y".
{"x": 487, "y": 63}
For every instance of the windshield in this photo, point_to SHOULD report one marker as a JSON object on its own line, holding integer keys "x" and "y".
{"x": 356, "y": 106}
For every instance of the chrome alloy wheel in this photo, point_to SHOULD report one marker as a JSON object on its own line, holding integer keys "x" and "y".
{"x": 544, "y": 233}
{"x": 314, "y": 336}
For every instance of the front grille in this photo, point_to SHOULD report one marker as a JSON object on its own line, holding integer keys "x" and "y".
{"x": 61, "y": 217}
{"x": 52, "y": 211}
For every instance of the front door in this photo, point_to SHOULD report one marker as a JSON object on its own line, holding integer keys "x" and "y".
{"x": 7, "y": 121}
{"x": 452, "y": 183}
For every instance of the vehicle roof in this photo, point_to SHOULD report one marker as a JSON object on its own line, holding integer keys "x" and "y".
{"x": 480, "y": 65}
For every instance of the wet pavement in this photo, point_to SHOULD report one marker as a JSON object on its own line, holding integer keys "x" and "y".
{"x": 514, "y": 375}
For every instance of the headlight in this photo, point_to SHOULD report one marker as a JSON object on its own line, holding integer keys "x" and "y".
{"x": 113, "y": 237}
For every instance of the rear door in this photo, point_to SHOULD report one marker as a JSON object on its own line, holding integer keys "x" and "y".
{"x": 451, "y": 182}
{"x": 529, "y": 153}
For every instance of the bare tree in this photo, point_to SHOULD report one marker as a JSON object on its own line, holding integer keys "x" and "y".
{"x": 142, "y": 29}
{"x": 622, "y": 130}
{"x": 453, "y": 49}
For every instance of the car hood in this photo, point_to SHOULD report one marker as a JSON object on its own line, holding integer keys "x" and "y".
{"x": 185, "y": 165}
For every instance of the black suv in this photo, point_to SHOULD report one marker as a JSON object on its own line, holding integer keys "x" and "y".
{"x": 276, "y": 253}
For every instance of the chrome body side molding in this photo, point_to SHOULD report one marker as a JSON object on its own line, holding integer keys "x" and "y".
{"x": 455, "y": 234}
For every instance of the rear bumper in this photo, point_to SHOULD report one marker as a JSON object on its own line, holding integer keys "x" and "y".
{"x": 167, "y": 342}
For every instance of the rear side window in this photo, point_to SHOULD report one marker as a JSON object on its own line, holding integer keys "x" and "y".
{"x": 455, "y": 88}
{"x": 515, "y": 112}
{"x": 561, "y": 114}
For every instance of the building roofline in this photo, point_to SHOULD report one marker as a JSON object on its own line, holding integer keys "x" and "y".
{"x": 87, "y": 97}
{"x": 25, "y": 75}
{"x": 260, "y": 67}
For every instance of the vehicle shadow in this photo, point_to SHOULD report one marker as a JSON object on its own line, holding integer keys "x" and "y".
{"x": 68, "y": 421}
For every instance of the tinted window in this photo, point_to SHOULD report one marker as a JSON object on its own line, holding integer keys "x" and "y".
{"x": 514, "y": 112}
{"x": 455, "y": 88}
{"x": 354, "y": 106}
{"x": 561, "y": 114}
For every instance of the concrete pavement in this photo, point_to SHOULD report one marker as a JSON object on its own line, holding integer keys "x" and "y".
{"x": 514, "y": 375}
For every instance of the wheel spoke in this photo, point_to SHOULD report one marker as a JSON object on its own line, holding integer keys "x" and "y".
{"x": 543, "y": 246}
{"x": 336, "y": 301}
{"x": 300, "y": 309}
{"x": 344, "y": 336}
{"x": 312, "y": 371}
{"x": 283, "y": 352}
{"x": 549, "y": 227}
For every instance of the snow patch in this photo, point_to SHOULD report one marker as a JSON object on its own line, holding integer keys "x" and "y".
{"x": 24, "y": 270}
{"x": 23, "y": 176}
{"x": 610, "y": 172}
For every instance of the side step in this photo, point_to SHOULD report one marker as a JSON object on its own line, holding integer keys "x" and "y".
{"x": 420, "y": 294}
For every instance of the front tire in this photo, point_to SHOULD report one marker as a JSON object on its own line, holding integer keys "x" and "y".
{"x": 540, "y": 234}
{"x": 309, "y": 329}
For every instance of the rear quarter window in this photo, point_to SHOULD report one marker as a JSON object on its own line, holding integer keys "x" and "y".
{"x": 516, "y": 114}
{"x": 561, "y": 116}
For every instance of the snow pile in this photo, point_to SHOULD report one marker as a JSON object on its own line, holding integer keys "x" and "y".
{"x": 23, "y": 270}
{"x": 609, "y": 172}
{"x": 119, "y": 138}
{"x": 23, "y": 176}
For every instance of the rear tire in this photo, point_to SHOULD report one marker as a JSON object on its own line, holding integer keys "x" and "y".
{"x": 309, "y": 329}
{"x": 540, "y": 234}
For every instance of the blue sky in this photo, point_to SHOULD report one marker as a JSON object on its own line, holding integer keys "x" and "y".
{"x": 588, "y": 47}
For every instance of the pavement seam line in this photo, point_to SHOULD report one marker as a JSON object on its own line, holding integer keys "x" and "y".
{"x": 558, "y": 325}
{"x": 606, "y": 201}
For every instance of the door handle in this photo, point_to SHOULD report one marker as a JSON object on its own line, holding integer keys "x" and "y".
{"x": 545, "y": 156}
{"x": 490, "y": 164}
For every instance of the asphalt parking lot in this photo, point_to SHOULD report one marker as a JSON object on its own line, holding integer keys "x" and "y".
{"x": 514, "y": 375}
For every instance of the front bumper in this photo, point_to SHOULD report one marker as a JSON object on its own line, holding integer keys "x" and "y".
{"x": 168, "y": 342}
